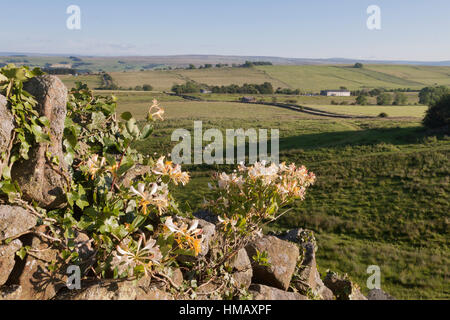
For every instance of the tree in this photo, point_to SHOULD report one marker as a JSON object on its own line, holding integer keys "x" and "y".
{"x": 147, "y": 87}
{"x": 191, "y": 66}
{"x": 188, "y": 87}
{"x": 362, "y": 100}
{"x": 375, "y": 92}
{"x": 438, "y": 114}
{"x": 431, "y": 95}
{"x": 400, "y": 99}
{"x": 358, "y": 65}
{"x": 384, "y": 99}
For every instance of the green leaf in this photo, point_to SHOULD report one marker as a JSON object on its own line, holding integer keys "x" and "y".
{"x": 126, "y": 116}
{"x": 19, "y": 74}
{"x": 39, "y": 135}
{"x": 132, "y": 128}
{"x": 44, "y": 121}
{"x": 146, "y": 131}
{"x": 6, "y": 173}
{"x": 137, "y": 222}
{"x": 125, "y": 166}
{"x": 22, "y": 252}
{"x": 8, "y": 187}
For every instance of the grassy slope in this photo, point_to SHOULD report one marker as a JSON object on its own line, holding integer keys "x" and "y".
{"x": 160, "y": 80}
{"x": 93, "y": 81}
{"x": 381, "y": 198}
{"x": 392, "y": 111}
{"x": 227, "y": 76}
{"x": 422, "y": 74}
{"x": 332, "y": 77}
{"x": 309, "y": 77}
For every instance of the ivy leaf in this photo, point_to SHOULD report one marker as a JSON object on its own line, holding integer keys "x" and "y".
{"x": 18, "y": 74}
{"x": 82, "y": 203}
{"x": 6, "y": 173}
{"x": 44, "y": 120}
{"x": 22, "y": 252}
{"x": 8, "y": 187}
{"x": 39, "y": 135}
{"x": 71, "y": 137}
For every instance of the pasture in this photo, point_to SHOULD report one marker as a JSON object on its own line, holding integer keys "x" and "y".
{"x": 308, "y": 78}
{"x": 383, "y": 190}
{"x": 391, "y": 111}
{"x": 314, "y": 78}
{"x": 382, "y": 193}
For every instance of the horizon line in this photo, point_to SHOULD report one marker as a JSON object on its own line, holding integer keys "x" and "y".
{"x": 9, "y": 53}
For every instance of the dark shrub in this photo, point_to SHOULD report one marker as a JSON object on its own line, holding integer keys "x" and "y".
{"x": 147, "y": 87}
{"x": 438, "y": 114}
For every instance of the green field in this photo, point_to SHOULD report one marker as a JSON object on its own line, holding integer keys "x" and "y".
{"x": 425, "y": 75}
{"x": 309, "y": 78}
{"x": 133, "y": 71}
{"x": 93, "y": 81}
{"x": 383, "y": 190}
{"x": 314, "y": 78}
{"x": 160, "y": 80}
{"x": 391, "y": 111}
{"x": 382, "y": 195}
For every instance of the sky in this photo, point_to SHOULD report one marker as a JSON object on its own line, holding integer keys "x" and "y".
{"x": 410, "y": 29}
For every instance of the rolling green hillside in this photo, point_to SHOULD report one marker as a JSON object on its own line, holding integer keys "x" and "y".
{"x": 315, "y": 78}
{"x": 382, "y": 194}
{"x": 308, "y": 78}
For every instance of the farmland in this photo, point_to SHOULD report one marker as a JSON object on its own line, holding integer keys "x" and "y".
{"x": 312, "y": 78}
{"x": 392, "y": 111}
{"x": 382, "y": 194}
{"x": 306, "y": 78}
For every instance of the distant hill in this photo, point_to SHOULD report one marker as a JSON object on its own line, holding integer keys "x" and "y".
{"x": 147, "y": 62}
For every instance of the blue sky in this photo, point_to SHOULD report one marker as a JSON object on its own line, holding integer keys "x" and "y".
{"x": 411, "y": 29}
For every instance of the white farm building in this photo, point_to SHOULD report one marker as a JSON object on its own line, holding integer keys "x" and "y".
{"x": 335, "y": 93}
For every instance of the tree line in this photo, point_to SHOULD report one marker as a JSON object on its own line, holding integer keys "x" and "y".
{"x": 193, "y": 87}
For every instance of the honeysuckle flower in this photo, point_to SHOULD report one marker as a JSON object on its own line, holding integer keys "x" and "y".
{"x": 166, "y": 168}
{"x": 94, "y": 164}
{"x": 155, "y": 111}
{"x": 266, "y": 174}
{"x": 186, "y": 237}
{"x": 126, "y": 259}
{"x": 157, "y": 196}
{"x": 179, "y": 176}
{"x": 225, "y": 180}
